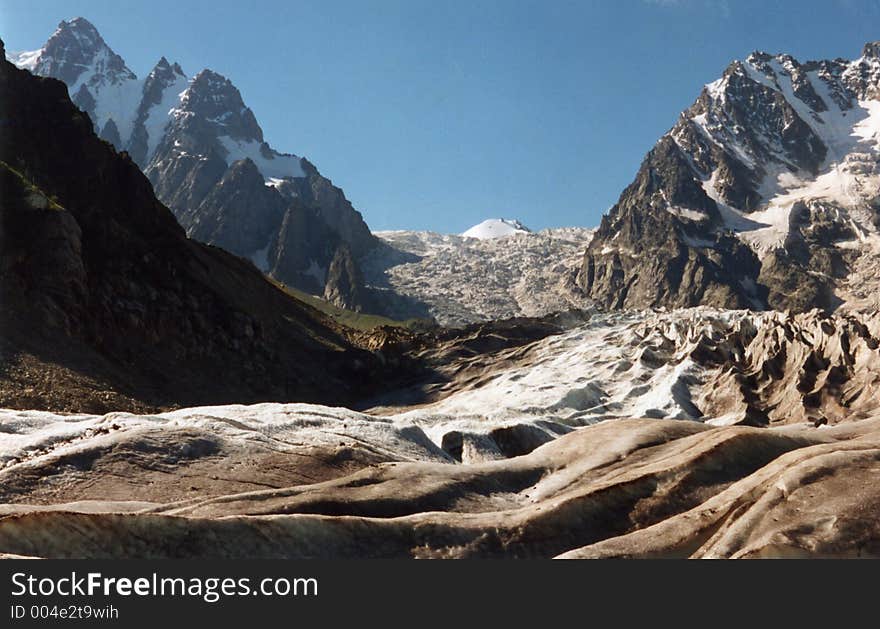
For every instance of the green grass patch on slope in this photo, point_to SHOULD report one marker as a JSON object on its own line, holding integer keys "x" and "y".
{"x": 349, "y": 318}
{"x": 30, "y": 193}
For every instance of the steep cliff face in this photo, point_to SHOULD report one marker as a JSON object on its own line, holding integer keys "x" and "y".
{"x": 190, "y": 136}
{"x": 107, "y": 304}
{"x": 763, "y": 195}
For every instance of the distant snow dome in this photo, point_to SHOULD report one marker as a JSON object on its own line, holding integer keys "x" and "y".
{"x": 496, "y": 228}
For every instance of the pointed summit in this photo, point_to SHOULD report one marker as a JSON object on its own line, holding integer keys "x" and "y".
{"x": 213, "y": 98}
{"x": 161, "y": 94}
{"x": 82, "y": 28}
{"x": 164, "y": 66}
{"x": 164, "y": 71}
{"x": 187, "y": 136}
{"x": 208, "y": 82}
{"x": 75, "y": 52}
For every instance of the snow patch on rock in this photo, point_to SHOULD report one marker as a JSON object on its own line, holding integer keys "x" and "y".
{"x": 272, "y": 165}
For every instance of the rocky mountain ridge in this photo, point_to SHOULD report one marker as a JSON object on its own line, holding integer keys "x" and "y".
{"x": 107, "y": 304}
{"x": 763, "y": 195}
{"x": 206, "y": 156}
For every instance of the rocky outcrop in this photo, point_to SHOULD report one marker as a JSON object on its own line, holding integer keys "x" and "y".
{"x": 239, "y": 214}
{"x": 161, "y": 90}
{"x": 345, "y": 284}
{"x": 653, "y": 260}
{"x": 229, "y": 188}
{"x": 763, "y": 195}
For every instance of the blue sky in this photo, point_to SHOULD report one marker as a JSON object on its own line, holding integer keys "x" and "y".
{"x": 438, "y": 114}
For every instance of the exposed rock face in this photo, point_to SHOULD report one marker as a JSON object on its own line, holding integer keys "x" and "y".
{"x": 107, "y": 304}
{"x": 763, "y": 195}
{"x": 189, "y": 137}
{"x": 239, "y": 213}
{"x": 229, "y": 188}
{"x": 70, "y": 51}
{"x": 161, "y": 91}
{"x": 345, "y": 282}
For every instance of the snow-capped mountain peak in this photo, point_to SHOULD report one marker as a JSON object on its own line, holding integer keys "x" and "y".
{"x": 162, "y": 90}
{"x": 77, "y": 54}
{"x": 97, "y": 78}
{"x": 212, "y": 118}
{"x": 206, "y": 156}
{"x": 763, "y": 194}
{"x": 163, "y": 68}
{"x": 496, "y": 228}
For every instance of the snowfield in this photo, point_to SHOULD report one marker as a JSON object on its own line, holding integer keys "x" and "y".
{"x": 274, "y": 166}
